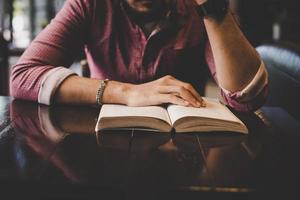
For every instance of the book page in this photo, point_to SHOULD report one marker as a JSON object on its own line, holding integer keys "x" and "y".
{"x": 213, "y": 110}
{"x": 114, "y": 110}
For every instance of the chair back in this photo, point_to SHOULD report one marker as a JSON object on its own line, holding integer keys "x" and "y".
{"x": 282, "y": 61}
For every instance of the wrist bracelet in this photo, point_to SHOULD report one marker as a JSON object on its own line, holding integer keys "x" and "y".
{"x": 100, "y": 91}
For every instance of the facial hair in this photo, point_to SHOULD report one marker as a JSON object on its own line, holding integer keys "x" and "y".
{"x": 156, "y": 12}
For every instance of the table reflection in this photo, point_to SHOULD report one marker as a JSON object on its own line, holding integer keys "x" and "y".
{"x": 41, "y": 130}
{"x": 59, "y": 145}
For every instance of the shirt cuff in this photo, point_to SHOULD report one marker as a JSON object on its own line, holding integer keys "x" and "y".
{"x": 50, "y": 82}
{"x": 257, "y": 84}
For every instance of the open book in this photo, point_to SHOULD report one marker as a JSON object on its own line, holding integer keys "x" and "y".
{"x": 214, "y": 117}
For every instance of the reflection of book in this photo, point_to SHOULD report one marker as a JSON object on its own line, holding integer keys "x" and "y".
{"x": 131, "y": 140}
{"x": 214, "y": 117}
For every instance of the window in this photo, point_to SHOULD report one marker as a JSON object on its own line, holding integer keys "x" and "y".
{"x": 22, "y": 20}
{"x": 21, "y": 29}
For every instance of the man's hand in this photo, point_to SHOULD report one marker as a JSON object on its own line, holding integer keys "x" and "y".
{"x": 164, "y": 90}
{"x": 199, "y": 2}
{"x": 81, "y": 90}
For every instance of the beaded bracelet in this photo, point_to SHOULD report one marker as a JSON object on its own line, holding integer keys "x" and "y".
{"x": 100, "y": 91}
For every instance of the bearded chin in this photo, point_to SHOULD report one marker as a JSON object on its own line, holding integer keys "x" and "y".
{"x": 156, "y": 12}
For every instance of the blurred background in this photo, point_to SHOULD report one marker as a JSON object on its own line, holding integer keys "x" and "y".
{"x": 263, "y": 21}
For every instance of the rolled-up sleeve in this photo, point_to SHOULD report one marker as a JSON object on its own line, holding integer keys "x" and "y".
{"x": 51, "y": 82}
{"x": 252, "y": 96}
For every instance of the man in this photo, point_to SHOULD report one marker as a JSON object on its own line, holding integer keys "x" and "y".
{"x": 152, "y": 52}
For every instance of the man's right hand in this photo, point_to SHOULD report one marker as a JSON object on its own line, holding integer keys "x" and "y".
{"x": 164, "y": 90}
{"x": 79, "y": 90}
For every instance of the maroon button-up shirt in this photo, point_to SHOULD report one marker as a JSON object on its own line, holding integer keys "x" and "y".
{"x": 116, "y": 48}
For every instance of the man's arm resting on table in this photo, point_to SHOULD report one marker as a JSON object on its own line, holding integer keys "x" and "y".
{"x": 80, "y": 90}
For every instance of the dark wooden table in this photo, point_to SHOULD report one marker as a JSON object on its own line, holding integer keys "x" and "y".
{"x": 53, "y": 152}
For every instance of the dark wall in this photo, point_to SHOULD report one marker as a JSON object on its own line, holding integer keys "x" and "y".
{"x": 3, "y": 66}
{"x": 259, "y": 17}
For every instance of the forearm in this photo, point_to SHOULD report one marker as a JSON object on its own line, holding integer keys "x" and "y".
{"x": 79, "y": 90}
{"x": 235, "y": 59}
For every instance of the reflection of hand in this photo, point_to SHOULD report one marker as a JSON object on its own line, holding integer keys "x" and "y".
{"x": 75, "y": 119}
{"x": 168, "y": 146}
{"x": 164, "y": 90}
{"x": 199, "y": 2}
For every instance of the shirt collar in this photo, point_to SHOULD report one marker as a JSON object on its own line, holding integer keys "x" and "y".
{"x": 192, "y": 26}
{"x": 182, "y": 18}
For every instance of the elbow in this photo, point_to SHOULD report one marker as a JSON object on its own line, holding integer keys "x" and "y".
{"x": 14, "y": 85}
{"x": 17, "y": 91}
{"x": 23, "y": 83}
{"x": 253, "y": 96}
{"x": 250, "y": 105}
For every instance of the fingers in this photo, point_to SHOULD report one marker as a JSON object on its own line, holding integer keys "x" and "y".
{"x": 185, "y": 90}
{"x": 188, "y": 87}
{"x": 171, "y": 98}
{"x": 199, "y": 2}
{"x": 180, "y": 92}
